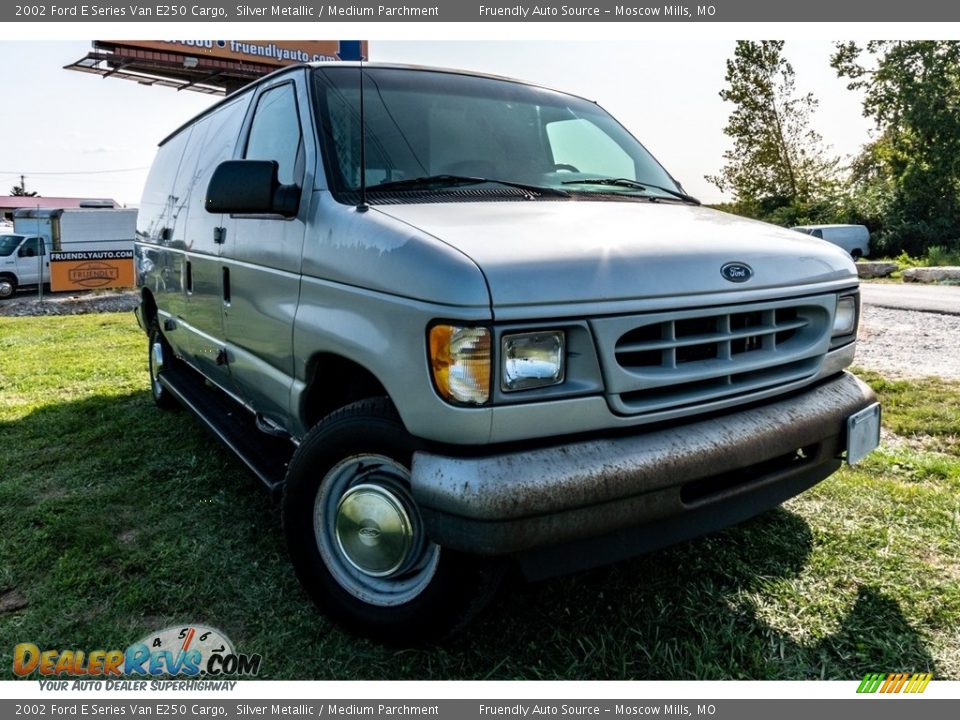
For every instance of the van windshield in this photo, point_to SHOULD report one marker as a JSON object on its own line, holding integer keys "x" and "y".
{"x": 442, "y": 126}
{"x": 9, "y": 243}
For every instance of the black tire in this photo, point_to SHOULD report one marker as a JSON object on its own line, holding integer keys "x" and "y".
{"x": 421, "y": 594}
{"x": 157, "y": 344}
{"x": 8, "y": 286}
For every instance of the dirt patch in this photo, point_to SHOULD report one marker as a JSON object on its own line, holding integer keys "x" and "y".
{"x": 11, "y": 601}
{"x": 940, "y": 444}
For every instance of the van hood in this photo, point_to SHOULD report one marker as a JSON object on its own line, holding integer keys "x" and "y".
{"x": 545, "y": 252}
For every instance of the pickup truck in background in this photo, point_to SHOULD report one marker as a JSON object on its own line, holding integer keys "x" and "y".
{"x": 23, "y": 262}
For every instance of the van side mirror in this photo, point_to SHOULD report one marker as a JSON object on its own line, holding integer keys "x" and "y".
{"x": 250, "y": 187}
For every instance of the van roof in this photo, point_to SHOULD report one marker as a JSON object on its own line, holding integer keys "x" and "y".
{"x": 355, "y": 64}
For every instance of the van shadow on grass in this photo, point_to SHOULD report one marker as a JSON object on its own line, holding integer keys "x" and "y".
{"x": 121, "y": 519}
{"x": 727, "y": 606}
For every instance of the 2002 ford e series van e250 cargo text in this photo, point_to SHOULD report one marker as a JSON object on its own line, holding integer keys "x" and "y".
{"x": 457, "y": 319}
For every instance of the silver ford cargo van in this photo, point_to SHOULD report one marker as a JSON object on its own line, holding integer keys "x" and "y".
{"x": 457, "y": 319}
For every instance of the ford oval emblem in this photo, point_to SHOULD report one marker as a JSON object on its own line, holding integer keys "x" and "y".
{"x": 369, "y": 533}
{"x": 737, "y": 272}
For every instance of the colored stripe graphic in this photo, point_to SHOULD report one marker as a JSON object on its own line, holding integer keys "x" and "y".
{"x": 924, "y": 680}
{"x": 894, "y": 682}
{"x": 188, "y": 639}
{"x": 871, "y": 681}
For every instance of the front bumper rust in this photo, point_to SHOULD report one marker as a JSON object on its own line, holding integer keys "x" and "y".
{"x": 640, "y": 491}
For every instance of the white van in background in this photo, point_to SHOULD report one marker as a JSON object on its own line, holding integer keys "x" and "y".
{"x": 855, "y": 239}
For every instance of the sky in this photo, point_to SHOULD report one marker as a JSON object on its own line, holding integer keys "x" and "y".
{"x": 75, "y": 134}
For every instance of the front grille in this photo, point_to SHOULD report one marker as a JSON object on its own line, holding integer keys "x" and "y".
{"x": 685, "y": 359}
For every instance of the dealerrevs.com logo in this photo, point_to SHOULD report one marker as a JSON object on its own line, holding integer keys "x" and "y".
{"x": 186, "y": 651}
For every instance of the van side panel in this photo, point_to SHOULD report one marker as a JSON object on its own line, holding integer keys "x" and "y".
{"x": 159, "y": 262}
{"x": 261, "y": 256}
{"x": 216, "y": 141}
{"x": 178, "y": 257}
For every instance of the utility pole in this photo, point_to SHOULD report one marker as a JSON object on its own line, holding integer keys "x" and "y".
{"x": 41, "y": 254}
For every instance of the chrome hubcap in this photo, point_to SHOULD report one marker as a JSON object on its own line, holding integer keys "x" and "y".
{"x": 156, "y": 365}
{"x": 373, "y": 530}
{"x": 6, "y": 288}
{"x": 369, "y": 532}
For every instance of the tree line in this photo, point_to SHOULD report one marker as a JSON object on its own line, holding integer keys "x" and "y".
{"x": 904, "y": 184}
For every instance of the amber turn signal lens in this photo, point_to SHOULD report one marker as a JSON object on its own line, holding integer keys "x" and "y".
{"x": 460, "y": 361}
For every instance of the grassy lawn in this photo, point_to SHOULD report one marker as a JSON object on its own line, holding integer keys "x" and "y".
{"x": 119, "y": 519}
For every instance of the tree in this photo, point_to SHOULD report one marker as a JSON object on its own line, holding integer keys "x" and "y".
{"x": 912, "y": 93}
{"x": 778, "y": 159}
{"x": 21, "y": 190}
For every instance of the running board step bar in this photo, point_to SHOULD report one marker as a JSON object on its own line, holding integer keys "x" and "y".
{"x": 266, "y": 455}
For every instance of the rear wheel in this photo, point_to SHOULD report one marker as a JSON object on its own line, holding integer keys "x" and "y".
{"x": 159, "y": 355}
{"x": 357, "y": 540}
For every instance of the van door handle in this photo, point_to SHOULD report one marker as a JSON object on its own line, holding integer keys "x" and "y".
{"x": 226, "y": 285}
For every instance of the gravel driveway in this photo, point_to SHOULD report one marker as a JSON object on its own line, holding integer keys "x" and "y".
{"x": 67, "y": 303}
{"x": 907, "y": 343}
{"x": 898, "y": 343}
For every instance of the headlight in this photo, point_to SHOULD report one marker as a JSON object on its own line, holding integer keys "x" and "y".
{"x": 531, "y": 360}
{"x": 845, "y": 321}
{"x": 460, "y": 361}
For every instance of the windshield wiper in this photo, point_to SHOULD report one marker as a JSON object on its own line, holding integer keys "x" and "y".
{"x": 636, "y": 185}
{"x": 429, "y": 180}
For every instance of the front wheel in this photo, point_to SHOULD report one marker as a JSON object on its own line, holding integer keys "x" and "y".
{"x": 357, "y": 540}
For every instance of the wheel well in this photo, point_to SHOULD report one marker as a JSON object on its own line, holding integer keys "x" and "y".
{"x": 334, "y": 383}
{"x": 11, "y": 276}
{"x": 149, "y": 306}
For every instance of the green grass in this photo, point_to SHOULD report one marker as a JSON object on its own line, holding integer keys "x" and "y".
{"x": 119, "y": 519}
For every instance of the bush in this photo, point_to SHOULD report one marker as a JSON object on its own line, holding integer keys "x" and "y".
{"x": 940, "y": 255}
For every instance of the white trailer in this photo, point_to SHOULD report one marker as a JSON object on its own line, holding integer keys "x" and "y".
{"x": 76, "y": 229}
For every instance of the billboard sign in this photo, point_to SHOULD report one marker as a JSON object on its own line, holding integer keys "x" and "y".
{"x": 265, "y": 52}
